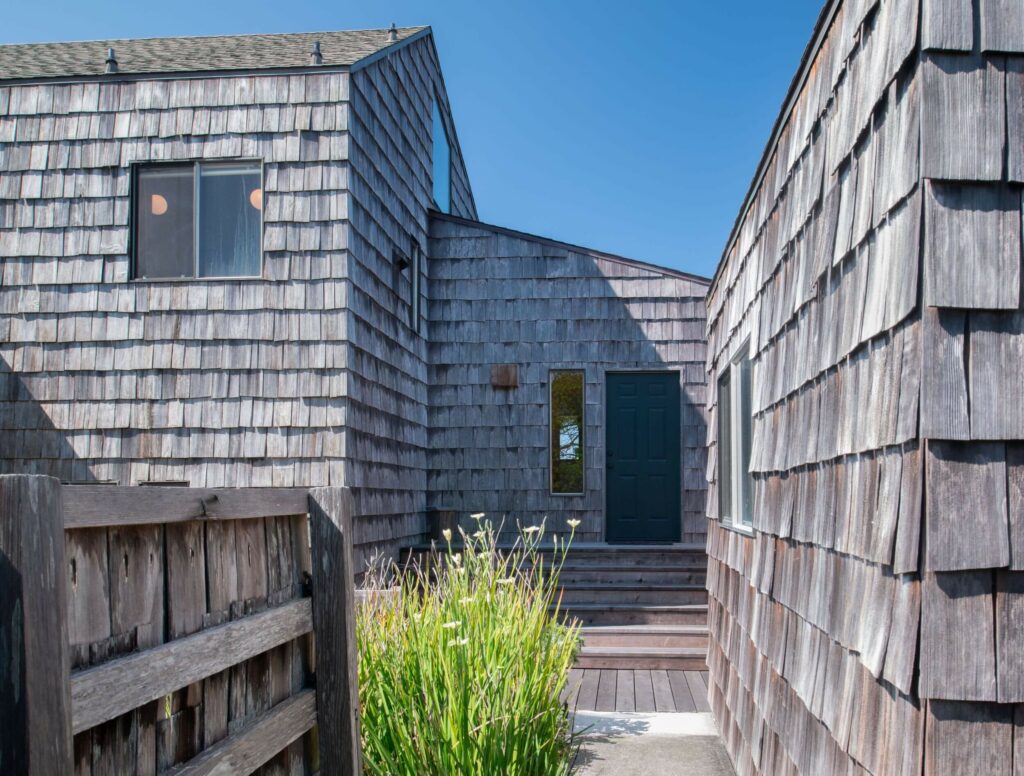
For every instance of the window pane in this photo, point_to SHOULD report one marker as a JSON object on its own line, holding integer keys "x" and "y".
{"x": 567, "y": 432}
{"x": 164, "y": 243}
{"x": 230, "y": 204}
{"x": 441, "y": 163}
{"x": 746, "y": 413}
{"x": 725, "y": 446}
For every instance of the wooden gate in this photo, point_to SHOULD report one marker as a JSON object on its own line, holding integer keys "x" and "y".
{"x": 148, "y": 630}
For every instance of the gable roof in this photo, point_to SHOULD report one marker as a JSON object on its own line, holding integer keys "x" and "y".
{"x": 668, "y": 271}
{"x": 215, "y": 53}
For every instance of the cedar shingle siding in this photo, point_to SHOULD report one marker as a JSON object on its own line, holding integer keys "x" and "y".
{"x": 500, "y": 297}
{"x": 314, "y": 374}
{"x": 227, "y": 382}
{"x": 872, "y": 622}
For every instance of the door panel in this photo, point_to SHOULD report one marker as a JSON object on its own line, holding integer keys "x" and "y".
{"x": 642, "y": 438}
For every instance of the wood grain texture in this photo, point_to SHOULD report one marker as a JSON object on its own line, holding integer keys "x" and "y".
{"x": 102, "y": 505}
{"x": 966, "y": 496}
{"x": 995, "y": 375}
{"x": 1009, "y": 617}
{"x": 944, "y": 402}
{"x": 260, "y": 740}
{"x": 1002, "y": 26}
{"x": 337, "y": 684}
{"x": 104, "y": 692}
{"x": 972, "y": 247}
{"x": 1015, "y": 503}
{"x": 966, "y": 738}
{"x": 1015, "y": 119}
{"x": 962, "y": 119}
{"x": 957, "y": 659}
{"x": 947, "y": 25}
{"x": 36, "y": 736}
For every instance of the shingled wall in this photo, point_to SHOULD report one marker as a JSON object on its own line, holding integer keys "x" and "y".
{"x": 500, "y": 297}
{"x": 390, "y": 153}
{"x": 871, "y": 622}
{"x": 221, "y": 382}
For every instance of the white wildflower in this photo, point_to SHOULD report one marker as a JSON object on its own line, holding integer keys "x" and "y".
{"x": 447, "y": 534}
{"x": 531, "y": 529}
{"x": 574, "y": 524}
{"x": 508, "y": 581}
{"x": 467, "y": 600}
{"x": 458, "y": 642}
{"x": 452, "y": 625}
{"x": 478, "y": 515}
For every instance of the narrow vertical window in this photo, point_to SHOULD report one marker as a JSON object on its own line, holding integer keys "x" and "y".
{"x": 567, "y": 409}
{"x": 414, "y": 290}
{"x": 735, "y": 416}
{"x": 441, "y": 163}
{"x": 199, "y": 219}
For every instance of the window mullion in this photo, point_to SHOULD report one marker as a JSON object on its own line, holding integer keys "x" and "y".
{"x": 195, "y": 220}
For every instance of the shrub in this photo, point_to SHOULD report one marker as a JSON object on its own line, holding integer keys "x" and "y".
{"x": 461, "y": 667}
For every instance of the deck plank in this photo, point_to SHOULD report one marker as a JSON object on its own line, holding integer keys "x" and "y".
{"x": 663, "y": 700}
{"x": 624, "y": 693}
{"x": 587, "y": 698}
{"x": 681, "y": 691}
{"x": 698, "y": 689}
{"x": 644, "y": 690}
{"x": 570, "y": 695}
{"x": 606, "y": 691}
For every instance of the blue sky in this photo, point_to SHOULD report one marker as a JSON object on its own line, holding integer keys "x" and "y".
{"x": 632, "y": 128}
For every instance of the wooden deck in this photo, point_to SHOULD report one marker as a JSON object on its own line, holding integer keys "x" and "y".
{"x": 642, "y": 690}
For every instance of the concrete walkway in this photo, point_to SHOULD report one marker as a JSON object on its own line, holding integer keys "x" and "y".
{"x": 621, "y": 744}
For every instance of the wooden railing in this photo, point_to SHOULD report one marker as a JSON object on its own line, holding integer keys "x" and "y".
{"x": 176, "y": 630}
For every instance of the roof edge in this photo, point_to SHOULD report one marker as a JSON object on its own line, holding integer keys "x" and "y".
{"x": 818, "y": 34}
{"x": 571, "y": 247}
{"x": 380, "y": 54}
{"x": 178, "y": 75}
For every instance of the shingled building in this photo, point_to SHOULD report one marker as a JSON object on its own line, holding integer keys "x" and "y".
{"x": 255, "y": 260}
{"x": 866, "y": 352}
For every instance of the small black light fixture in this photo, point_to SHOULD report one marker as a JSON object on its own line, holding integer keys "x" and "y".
{"x": 315, "y": 57}
{"x": 111, "y": 61}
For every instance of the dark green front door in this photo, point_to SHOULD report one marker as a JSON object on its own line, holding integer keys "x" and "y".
{"x": 642, "y": 457}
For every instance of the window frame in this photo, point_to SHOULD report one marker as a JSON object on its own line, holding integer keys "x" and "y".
{"x": 732, "y": 482}
{"x": 134, "y": 168}
{"x": 552, "y": 374}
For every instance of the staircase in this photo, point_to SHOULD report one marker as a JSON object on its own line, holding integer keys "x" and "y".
{"x": 640, "y": 606}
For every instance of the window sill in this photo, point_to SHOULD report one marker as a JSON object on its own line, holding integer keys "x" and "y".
{"x": 746, "y": 530}
{"x": 566, "y": 495}
{"x": 202, "y": 279}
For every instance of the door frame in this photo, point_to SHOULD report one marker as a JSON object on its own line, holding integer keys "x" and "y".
{"x": 678, "y": 372}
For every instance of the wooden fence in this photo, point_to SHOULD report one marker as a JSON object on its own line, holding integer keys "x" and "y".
{"x": 150, "y": 630}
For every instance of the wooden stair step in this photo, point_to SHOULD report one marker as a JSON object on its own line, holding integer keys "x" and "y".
{"x": 633, "y": 593}
{"x": 669, "y": 658}
{"x": 695, "y": 636}
{"x": 636, "y": 614}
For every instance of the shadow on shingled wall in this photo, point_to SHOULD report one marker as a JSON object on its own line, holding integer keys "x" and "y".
{"x": 500, "y": 297}
{"x": 29, "y": 441}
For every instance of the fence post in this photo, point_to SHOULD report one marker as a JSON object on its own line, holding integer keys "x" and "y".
{"x": 334, "y": 631}
{"x": 35, "y": 670}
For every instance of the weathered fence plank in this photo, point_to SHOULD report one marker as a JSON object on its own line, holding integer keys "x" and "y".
{"x": 94, "y": 506}
{"x": 337, "y": 683}
{"x": 258, "y": 742}
{"x": 118, "y": 686}
{"x": 35, "y": 706}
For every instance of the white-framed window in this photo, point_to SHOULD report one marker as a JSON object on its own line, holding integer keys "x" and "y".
{"x": 735, "y": 484}
{"x": 197, "y": 219}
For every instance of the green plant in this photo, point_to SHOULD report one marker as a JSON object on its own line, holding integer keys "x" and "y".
{"x": 461, "y": 666}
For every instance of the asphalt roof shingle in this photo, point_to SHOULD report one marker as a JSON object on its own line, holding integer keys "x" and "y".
{"x": 193, "y": 54}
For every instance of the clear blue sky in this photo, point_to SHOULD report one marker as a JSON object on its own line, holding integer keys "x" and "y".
{"x": 633, "y": 127}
